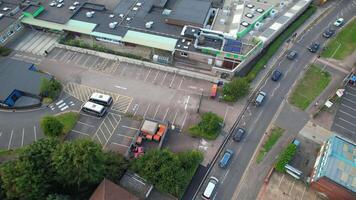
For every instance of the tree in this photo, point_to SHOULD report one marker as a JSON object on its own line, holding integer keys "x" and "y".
{"x": 236, "y": 89}
{"x": 51, "y": 126}
{"x": 50, "y": 88}
{"x": 79, "y": 163}
{"x": 208, "y": 127}
{"x": 57, "y": 197}
{"x": 31, "y": 176}
{"x": 115, "y": 166}
{"x": 285, "y": 157}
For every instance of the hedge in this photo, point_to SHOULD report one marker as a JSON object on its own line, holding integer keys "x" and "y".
{"x": 285, "y": 157}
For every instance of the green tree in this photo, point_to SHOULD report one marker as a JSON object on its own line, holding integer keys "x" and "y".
{"x": 50, "y": 88}
{"x": 286, "y": 156}
{"x": 57, "y": 197}
{"x": 236, "y": 89}
{"x": 51, "y": 126}
{"x": 208, "y": 127}
{"x": 79, "y": 163}
{"x": 31, "y": 175}
{"x": 115, "y": 166}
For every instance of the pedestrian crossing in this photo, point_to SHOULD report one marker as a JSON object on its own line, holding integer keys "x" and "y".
{"x": 36, "y": 42}
{"x": 61, "y": 105}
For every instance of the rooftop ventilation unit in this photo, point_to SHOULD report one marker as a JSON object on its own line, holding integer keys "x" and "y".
{"x": 250, "y": 6}
{"x": 185, "y": 47}
{"x": 273, "y": 13}
{"x": 90, "y": 14}
{"x": 245, "y": 24}
{"x": 135, "y": 8}
{"x": 76, "y": 3}
{"x": 260, "y": 10}
{"x": 226, "y": 12}
{"x": 149, "y": 24}
{"x": 111, "y": 16}
{"x": 138, "y": 4}
{"x": 6, "y": 9}
{"x": 112, "y": 25}
{"x": 1, "y": 15}
{"x": 222, "y": 21}
{"x": 166, "y": 12}
{"x": 193, "y": 30}
{"x": 60, "y": 5}
{"x": 249, "y": 15}
{"x": 258, "y": 25}
{"x": 282, "y": 4}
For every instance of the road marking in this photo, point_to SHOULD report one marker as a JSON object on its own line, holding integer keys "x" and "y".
{"x": 275, "y": 89}
{"x": 148, "y": 107}
{"x": 348, "y": 107}
{"x": 185, "y": 118}
{"x": 23, "y": 135}
{"x": 136, "y": 106}
{"x": 348, "y": 114}
{"x": 119, "y": 144}
{"x": 156, "y": 111}
{"x": 90, "y": 116}
{"x": 120, "y": 87}
{"x": 64, "y": 108}
{"x": 147, "y": 75}
{"x": 291, "y": 188}
{"x": 85, "y": 124}
{"x": 186, "y": 104}
{"x": 354, "y": 102}
{"x": 349, "y": 93}
{"x": 112, "y": 125}
{"x": 95, "y": 135}
{"x": 155, "y": 77}
{"x": 303, "y": 193}
{"x": 132, "y": 128}
{"x": 130, "y": 137}
{"x": 226, "y": 111}
{"x": 164, "y": 78}
{"x": 280, "y": 182}
{"x": 12, "y": 132}
{"x": 59, "y": 102}
{"x": 193, "y": 87}
{"x": 34, "y": 130}
{"x": 165, "y": 115}
{"x": 170, "y": 85}
{"x": 0, "y": 134}
{"x": 82, "y": 133}
{"x": 347, "y": 121}
{"x": 175, "y": 116}
{"x": 351, "y": 131}
{"x": 225, "y": 176}
{"x": 180, "y": 84}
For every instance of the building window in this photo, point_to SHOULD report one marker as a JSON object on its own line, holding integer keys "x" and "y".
{"x": 183, "y": 54}
{"x": 18, "y": 27}
{"x": 10, "y": 32}
{"x": 2, "y": 39}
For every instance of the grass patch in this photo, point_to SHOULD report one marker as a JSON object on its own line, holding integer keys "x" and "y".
{"x": 47, "y": 100}
{"x": 209, "y": 126}
{"x": 278, "y": 42}
{"x": 10, "y": 152}
{"x": 69, "y": 120}
{"x": 312, "y": 84}
{"x": 272, "y": 139}
{"x": 343, "y": 44}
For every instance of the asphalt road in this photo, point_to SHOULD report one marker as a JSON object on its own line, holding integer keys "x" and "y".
{"x": 256, "y": 120}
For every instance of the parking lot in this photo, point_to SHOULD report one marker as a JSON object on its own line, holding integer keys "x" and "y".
{"x": 283, "y": 186}
{"x": 345, "y": 118}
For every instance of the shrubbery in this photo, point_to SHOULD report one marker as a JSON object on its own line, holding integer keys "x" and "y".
{"x": 236, "y": 89}
{"x": 50, "y": 88}
{"x": 285, "y": 157}
{"x": 4, "y": 51}
{"x": 209, "y": 126}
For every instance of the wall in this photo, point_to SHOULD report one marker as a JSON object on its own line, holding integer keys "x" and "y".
{"x": 333, "y": 190}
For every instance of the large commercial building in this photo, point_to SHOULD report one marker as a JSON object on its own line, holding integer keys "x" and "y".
{"x": 203, "y": 35}
{"x": 334, "y": 173}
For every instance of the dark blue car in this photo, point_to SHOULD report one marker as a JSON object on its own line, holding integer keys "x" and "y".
{"x": 226, "y": 158}
{"x": 276, "y": 75}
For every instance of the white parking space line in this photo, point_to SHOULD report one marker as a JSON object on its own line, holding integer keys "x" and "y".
{"x": 85, "y": 124}
{"x": 124, "y": 136}
{"x": 23, "y": 135}
{"x": 35, "y": 132}
{"x": 147, "y": 75}
{"x": 156, "y": 111}
{"x": 112, "y": 125}
{"x": 112, "y": 133}
{"x": 349, "y": 93}
{"x": 305, "y": 188}
{"x": 132, "y": 128}
{"x": 280, "y": 182}
{"x": 90, "y": 116}
{"x": 82, "y": 133}
{"x": 9, "y": 146}
{"x": 95, "y": 135}
{"x": 136, "y": 109}
{"x": 354, "y": 102}
{"x": 0, "y": 134}
{"x": 175, "y": 117}
{"x": 348, "y": 107}
{"x": 351, "y": 131}
{"x": 225, "y": 176}
{"x": 347, "y": 114}
{"x": 59, "y": 102}
{"x": 120, "y": 87}
{"x": 342, "y": 119}
{"x": 64, "y": 108}
{"x": 186, "y": 104}
{"x": 164, "y": 78}
{"x": 119, "y": 144}
{"x": 148, "y": 107}
{"x": 185, "y": 118}
{"x": 291, "y": 188}
{"x": 180, "y": 84}
{"x": 156, "y": 76}
{"x": 165, "y": 115}
{"x": 170, "y": 85}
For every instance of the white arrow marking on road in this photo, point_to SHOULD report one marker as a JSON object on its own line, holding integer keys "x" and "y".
{"x": 119, "y": 87}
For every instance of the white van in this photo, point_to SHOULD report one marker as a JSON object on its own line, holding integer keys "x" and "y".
{"x": 94, "y": 109}
{"x": 210, "y": 188}
{"x": 101, "y": 99}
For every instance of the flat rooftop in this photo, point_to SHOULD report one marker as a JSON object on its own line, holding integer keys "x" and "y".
{"x": 7, "y": 14}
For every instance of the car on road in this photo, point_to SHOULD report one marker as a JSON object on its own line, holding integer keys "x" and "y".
{"x": 328, "y": 33}
{"x": 339, "y": 22}
{"x": 239, "y": 134}
{"x": 225, "y": 160}
{"x": 260, "y": 98}
{"x": 292, "y": 55}
{"x": 210, "y": 188}
{"x": 314, "y": 47}
{"x": 276, "y": 75}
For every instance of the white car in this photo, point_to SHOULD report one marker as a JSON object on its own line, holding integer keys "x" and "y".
{"x": 339, "y": 22}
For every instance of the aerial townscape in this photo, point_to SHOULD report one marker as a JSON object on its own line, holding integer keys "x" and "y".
{"x": 178, "y": 99}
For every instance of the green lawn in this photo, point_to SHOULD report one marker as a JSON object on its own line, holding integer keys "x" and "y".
{"x": 272, "y": 139}
{"x": 69, "y": 120}
{"x": 343, "y": 44}
{"x": 311, "y": 85}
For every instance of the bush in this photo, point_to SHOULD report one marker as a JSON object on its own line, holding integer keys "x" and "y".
{"x": 4, "y": 51}
{"x": 50, "y": 88}
{"x": 209, "y": 126}
{"x": 285, "y": 157}
{"x": 168, "y": 172}
{"x": 51, "y": 126}
{"x": 236, "y": 89}
{"x": 68, "y": 120}
{"x": 272, "y": 139}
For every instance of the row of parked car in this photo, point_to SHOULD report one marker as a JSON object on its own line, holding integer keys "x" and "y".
{"x": 97, "y": 104}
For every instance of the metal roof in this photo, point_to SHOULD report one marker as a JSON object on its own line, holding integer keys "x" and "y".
{"x": 5, "y": 22}
{"x": 150, "y": 40}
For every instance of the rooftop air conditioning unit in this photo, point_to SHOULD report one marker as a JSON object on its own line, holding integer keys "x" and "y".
{"x": 6, "y": 9}
{"x": 249, "y": 15}
{"x": 149, "y": 24}
{"x": 135, "y": 8}
{"x": 76, "y": 3}
{"x": 121, "y": 15}
{"x": 260, "y": 10}
{"x": 1, "y": 15}
{"x": 138, "y": 4}
{"x": 273, "y": 13}
{"x": 89, "y": 14}
{"x": 166, "y": 12}
{"x": 112, "y": 25}
{"x": 71, "y": 7}
{"x": 250, "y": 6}
{"x": 128, "y": 19}
{"x": 111, "y": 16}
{"x": 222, "y": 21}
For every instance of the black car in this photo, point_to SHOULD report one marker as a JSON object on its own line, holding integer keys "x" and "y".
{"x": 292, "y": 55}
{"x": 239, "y": 134}
{"x": 328, "y": 33}
{"x": 276, "y": 75}
{"x": 314, "y": 47}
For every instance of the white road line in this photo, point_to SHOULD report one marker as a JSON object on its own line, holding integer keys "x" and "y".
{"x": 136, "y": 109}
{"x": 280, "y": 182}
{"x": 120, "y": 87}
{"x": 82, "y": 133}
{"x": 186, "y": 104}
{"x": 132, "y": 128}
{"x": 291, "y": 188}
{"x": 351, "y": 131}
{"x": 12, "y": 132}
{"x": 303, "y": 193}
{"x": 170, "y": 85}
{"x": 64, "y": 108}
{"x": 85, "y": 124}
{"x": 95, "y": 135}
{"x": 59, "y": 102}
{"x": 148, "y": 107}
{"x": 350, "y": 100}
{"x": 112, "y": 125}
{"x": 156, "y": 77}
{"x": 348, "y": 114}
{"x": 121, "y": 135}
{"x": 180, "y": 84}
{"x": 102, "y": 133}
{"x": 348, "y": 107}
{"x": 112, "y": 132}
{"x": 147, "y": 75}
{"x": 225, "y": 176}
{"x": 164, "y": 78}
{"x": 165, "y": 115}
{"x": 226, "y": 111}
{"x": 23, "y": 135}
{"x": 175, "y": 116}
{"x": 119, "y": 144}
{"x": 34, "y": 130}
{"x": 347, "y": 121}
{"x": 156, "y": 111}
{"x": 185, "y": 118}
{"x": 90, "y": 116}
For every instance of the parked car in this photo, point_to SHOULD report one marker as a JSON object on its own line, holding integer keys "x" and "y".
{"x": 276, "y": 75}
{"x": 225, "y": 160}
{"x": 239, "y": 134}
{"x": 314, "y": 47}
{"x": 259, "y": 98}
{"x": 328, "y": 33}
{"x": 210, "y": 188}
{"x": 339, "y": 22}
{"x": 292, "y": 55}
